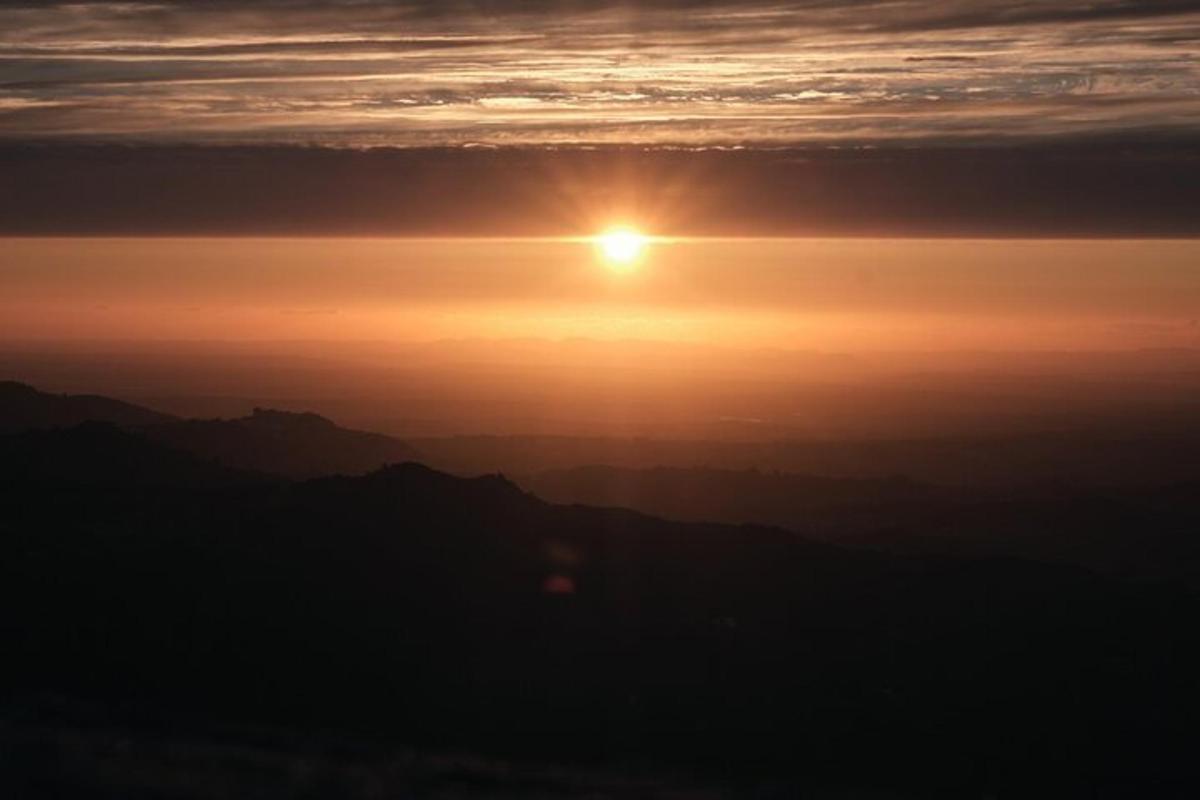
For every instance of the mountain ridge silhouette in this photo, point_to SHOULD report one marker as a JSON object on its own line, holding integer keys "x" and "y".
{"x": 23, "y": 407}
{"x": 464, "y": 612}
{"x": 285, "y": 443}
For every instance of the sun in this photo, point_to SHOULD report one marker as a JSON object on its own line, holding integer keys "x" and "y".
{"x": 621, "y": 247}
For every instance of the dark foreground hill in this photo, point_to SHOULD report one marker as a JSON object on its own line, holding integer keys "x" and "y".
{"x": 98, "y": 455}
{"x": 447, "y": 612}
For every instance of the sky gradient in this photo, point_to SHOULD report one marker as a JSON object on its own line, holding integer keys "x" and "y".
{"x": 845, "y": 177}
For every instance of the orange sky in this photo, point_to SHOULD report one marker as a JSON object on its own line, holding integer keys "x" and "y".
{"x": 829, "y": 294}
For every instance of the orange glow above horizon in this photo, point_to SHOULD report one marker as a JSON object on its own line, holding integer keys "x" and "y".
{"x": 828, "y": 294}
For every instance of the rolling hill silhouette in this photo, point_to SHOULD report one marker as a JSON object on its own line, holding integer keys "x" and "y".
{"x": 1134, "y": 531}
{"x": 99, "y": 455}
{"x": 23, "y": 407}
{"x": 301, "y": 445}
{"x": 296, "y": 445}
{"x": 1088, "y": 455}
{"x": 445, "y": 611}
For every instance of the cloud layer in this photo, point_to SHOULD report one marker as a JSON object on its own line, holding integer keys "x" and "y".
{"x": 365, "y": 72}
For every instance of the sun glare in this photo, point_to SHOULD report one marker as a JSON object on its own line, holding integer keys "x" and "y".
{"x": 621, "y": 247}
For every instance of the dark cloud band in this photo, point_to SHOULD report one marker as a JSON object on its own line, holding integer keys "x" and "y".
{"x": 1079, "y": 190}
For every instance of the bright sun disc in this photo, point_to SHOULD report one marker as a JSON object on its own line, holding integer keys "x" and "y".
{"x": 621, "y": 247}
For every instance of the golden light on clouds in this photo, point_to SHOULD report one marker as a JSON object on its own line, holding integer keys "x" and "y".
{"x": 722, "y": 72}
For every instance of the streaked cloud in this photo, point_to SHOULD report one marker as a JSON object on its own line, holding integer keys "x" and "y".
{"x": 544, "y": 71}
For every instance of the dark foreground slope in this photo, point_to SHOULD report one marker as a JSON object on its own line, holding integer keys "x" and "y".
{"x": 98, "y": 456}
{"x": 445, "y": 612}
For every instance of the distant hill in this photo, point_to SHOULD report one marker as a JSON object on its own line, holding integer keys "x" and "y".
{"x": 1134, "y": 531}
{"x": 789, "y": 500}
{"x": 297, "y": 445}
{"x": 412, "y": 604}
{"x": 23, "y": 407}
{"x": 1086, "y": 456}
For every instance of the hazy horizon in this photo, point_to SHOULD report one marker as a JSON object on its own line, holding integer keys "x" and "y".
{"x": 824, "y": 294}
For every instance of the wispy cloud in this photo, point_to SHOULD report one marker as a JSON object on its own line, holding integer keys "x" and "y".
{"x": 547, "y": 71}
